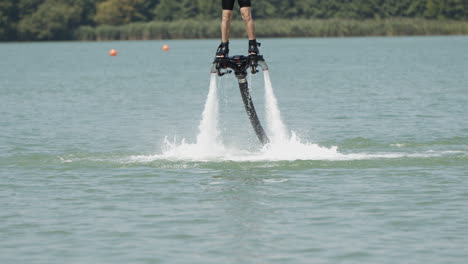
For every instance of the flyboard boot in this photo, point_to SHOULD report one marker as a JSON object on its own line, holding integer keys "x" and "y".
{"x": 253, "y": 54}
{"x": 223, "y": 50}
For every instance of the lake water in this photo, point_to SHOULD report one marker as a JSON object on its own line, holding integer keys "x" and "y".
{"x": 99, "y": 160}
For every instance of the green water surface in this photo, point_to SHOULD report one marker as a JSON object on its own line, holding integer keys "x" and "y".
{"x": 73, "y": 119}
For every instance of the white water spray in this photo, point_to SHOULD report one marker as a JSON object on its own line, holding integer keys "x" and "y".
{"x": 277, "y": 131}
{"x": 209, "y": 144}
{"x": 283, "y": 146}
{"x": 287, "y": 145}
{"x": 209, "y": 135}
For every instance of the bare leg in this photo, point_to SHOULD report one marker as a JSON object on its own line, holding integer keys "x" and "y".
{"x": 249, "y": 22}
{"x": 226, "y": 25}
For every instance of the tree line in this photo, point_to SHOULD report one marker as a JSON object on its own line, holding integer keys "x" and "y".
{"x": 61, "y": 19}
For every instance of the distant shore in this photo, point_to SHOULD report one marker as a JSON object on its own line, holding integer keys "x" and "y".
{"x": 200, "y": 29}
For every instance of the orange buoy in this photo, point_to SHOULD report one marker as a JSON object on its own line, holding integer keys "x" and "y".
{"x": 113, "y": 52}
{"x": 165, "y": 47}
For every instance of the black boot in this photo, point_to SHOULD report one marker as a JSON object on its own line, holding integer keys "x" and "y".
{"x": 253, "y": 47}
{"x": 223, "y": 50}
{"x": 253, "y": 55}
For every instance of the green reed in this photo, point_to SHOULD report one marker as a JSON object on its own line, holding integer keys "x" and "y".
{"x": 196, "y": 29}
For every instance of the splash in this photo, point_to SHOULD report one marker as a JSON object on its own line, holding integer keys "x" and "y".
{"x": 209, "y": 135}
{"x": 284, "y": 145}
{"x": 276, "y": 129}
{"x": 209, "y": 142}
{"x": 209, "y": 145}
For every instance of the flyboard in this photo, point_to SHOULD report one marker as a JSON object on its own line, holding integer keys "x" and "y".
{"x": 240, "y": 64}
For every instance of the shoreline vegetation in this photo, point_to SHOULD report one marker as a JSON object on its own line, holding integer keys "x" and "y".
{"x": 274, "y": 28}
{"x": 49, "y": 20}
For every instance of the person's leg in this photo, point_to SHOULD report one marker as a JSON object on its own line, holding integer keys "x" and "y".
{"x": 226, "y": 25}
{"x": 223, "y": 49}
{"x": 246, "y": 12}
{"x": 249, "y": 22}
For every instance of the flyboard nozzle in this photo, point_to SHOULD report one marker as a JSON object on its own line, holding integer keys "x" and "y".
{"x": 241, "y": 77}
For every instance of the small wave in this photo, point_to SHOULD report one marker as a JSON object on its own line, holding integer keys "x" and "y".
{"x": 274, "y": 180}
{"x": 64, "y": 160}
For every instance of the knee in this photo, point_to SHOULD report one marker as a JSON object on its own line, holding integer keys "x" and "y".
{"x": 246, "y": 15}
{"x": 227, "y": 15}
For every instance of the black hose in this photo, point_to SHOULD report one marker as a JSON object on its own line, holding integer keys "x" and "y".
{"x": 250, "y": 109}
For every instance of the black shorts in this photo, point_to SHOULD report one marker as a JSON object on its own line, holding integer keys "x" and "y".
{"x": 229, "y": 4}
